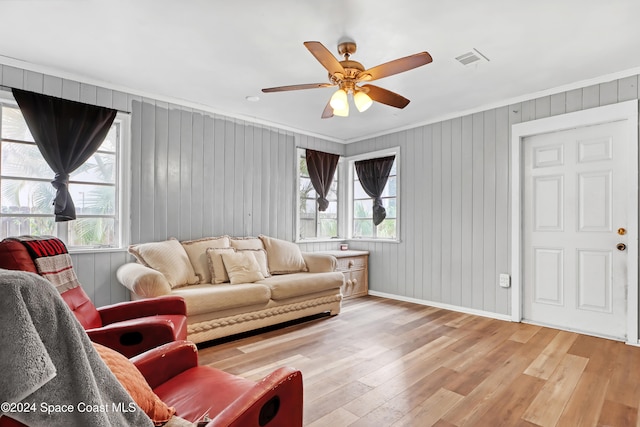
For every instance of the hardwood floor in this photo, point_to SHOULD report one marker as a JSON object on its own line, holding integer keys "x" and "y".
{"x": 390, "y": 363}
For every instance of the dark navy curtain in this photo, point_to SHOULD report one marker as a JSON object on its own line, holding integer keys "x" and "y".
{"x": 373, "y": 175}
{"x": 67, "y": 134}
{"x": 322, "y": 168}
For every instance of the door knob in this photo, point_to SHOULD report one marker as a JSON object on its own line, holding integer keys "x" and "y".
{"x": 621, "y": 246}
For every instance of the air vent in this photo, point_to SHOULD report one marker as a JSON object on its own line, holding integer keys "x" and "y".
{"x": 471, "y": 57}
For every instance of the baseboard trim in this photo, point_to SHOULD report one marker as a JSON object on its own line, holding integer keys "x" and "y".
{"x": 444, "y": 306}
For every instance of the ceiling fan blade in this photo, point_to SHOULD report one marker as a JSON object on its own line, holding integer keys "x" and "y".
{"x": 328, "y": 111}
{"x": 385, "y": 96}
{"x": 325, "y": 57}
{"x": 396, "y": 66}
{"x": 296, "y": 87}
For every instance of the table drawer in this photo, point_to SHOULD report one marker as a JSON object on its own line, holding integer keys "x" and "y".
{"x": 352, "y": 263}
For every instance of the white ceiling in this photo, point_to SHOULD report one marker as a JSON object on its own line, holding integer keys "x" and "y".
{"x": 214, "y": 54}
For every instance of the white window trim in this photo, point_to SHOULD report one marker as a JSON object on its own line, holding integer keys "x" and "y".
{"x": 349, "y": 163}
{"x": 124, "y": 176}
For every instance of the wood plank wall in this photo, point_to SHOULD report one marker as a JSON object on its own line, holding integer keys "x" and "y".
{"x": 198, "y": 174}
{"x": 193, "y": 174}
{"x": 454, "y": 192}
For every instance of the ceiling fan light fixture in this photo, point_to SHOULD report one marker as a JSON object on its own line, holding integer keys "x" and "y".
{"x": 339, "y": 101}
{"x": 341, "y": 112}
{"x": 362, "y": 101}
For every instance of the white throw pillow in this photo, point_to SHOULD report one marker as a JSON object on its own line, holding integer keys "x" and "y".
{"x": 242, "y": 267}
{"x": 169, "y": 258}
{"x": 261, "y": 257}
{"x": 216, "y": 265}
{"x": 246, "y": 243}
{"x": 197, "y": 252}
{"x": 283, "y": 257}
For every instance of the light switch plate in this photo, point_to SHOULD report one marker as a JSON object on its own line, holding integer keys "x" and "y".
{"x": 505, "y": 280}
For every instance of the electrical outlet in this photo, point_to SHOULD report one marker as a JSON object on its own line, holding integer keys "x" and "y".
{"x": 505, "y": 280}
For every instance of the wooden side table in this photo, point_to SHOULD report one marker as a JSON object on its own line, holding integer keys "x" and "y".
{"x": 355, "y": 267}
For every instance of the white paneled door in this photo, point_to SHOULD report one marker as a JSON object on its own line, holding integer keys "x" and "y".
{"x": 575, "y": 229}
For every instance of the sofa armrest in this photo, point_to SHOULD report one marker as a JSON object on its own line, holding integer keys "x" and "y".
{"x": 276, "y": 400}
{"x": 135, "y": 336}
{"x": 143, "y": 281}
{"x": 319, "y": 263}
{"x": 170, "y": 304}
{"x": 160, "y": 364}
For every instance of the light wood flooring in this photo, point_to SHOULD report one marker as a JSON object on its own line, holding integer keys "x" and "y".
{"x": 390, "y": 363}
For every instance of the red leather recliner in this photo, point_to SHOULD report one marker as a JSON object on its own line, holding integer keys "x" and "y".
{"x": 227, "y": 400}
{"x": 171, "y": 370}
{"x": 173, "y": 373}
{"x": 129, "y": 327}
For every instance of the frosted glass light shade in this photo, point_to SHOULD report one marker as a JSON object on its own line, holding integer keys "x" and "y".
{"x": 339, "y": 101}
{"x": 342, "y": 112}
{"x": 362, "y": 101}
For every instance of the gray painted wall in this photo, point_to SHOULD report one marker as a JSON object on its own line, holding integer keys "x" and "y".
{"x": 193, "y": 174}
{"x": 198, "y": 174}
{"x": 454, "y": 192}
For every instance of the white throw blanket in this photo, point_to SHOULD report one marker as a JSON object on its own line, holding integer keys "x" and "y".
{"x": 50, "y": 374}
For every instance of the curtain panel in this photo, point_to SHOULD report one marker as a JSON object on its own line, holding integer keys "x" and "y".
{"x": 322, "y": 167}
{"x": 373, "y": 175}
{"x": 67, "y": 134}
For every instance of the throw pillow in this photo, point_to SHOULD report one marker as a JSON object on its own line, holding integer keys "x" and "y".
{"x": 216, "y": 266}
{"x": 197, "y": 252}
{"x": 242, "y": 267}
{"x": 246, "y": 243}
{"x": 284, "y": 257}
{"x": 261, "y": 257}
{"x": 136, "y": 385}
{"x": 169, "y": 258}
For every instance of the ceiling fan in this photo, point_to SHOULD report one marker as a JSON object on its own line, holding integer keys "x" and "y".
{"x": 346, "y": 74}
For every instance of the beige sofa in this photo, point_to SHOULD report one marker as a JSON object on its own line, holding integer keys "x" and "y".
{"x": 233, "y": 285}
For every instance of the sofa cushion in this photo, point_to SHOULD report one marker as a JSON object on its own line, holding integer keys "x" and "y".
{"x": 197, "y": 252}
{"x": 205, "y": 298}
{"x": 261, "y": 257}
{"x": 135, "y": 384}
{"x": 242, "y": 267}
{"x": 216, "y": 265}
{"x": 246, "y": 243}
{"x": 284, "y": 257}
{"x": 169, "y": 258}
{"x": 299, "y": 284}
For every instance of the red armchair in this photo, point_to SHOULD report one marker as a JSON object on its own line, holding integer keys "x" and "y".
{"x": 129, "y": 327}
{"x": 226, "y": 400}
{"x": 173, "y": 373}
{"x": 40, "y": 330}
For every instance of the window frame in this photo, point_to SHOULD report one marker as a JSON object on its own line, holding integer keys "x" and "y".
{"x": 121, "y": 186}
{"x": 351, "y": 177}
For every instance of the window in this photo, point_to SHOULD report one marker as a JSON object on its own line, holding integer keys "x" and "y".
{"x": 362, "y": 225}
{"x": 27, "y": 194}
{"x": 313, "y": 224}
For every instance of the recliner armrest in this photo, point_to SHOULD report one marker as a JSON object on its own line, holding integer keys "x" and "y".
{"x": 134, "y": 336}
{"x": 160, "y": 364}
{"x": 276, "y": 400}
{"x": 170, "y": 304}
{"x": 320, "y": 263}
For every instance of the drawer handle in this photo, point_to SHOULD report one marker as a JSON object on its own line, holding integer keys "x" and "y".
{"x": 351, "y": 263}
{"x": 355, "y": 282}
